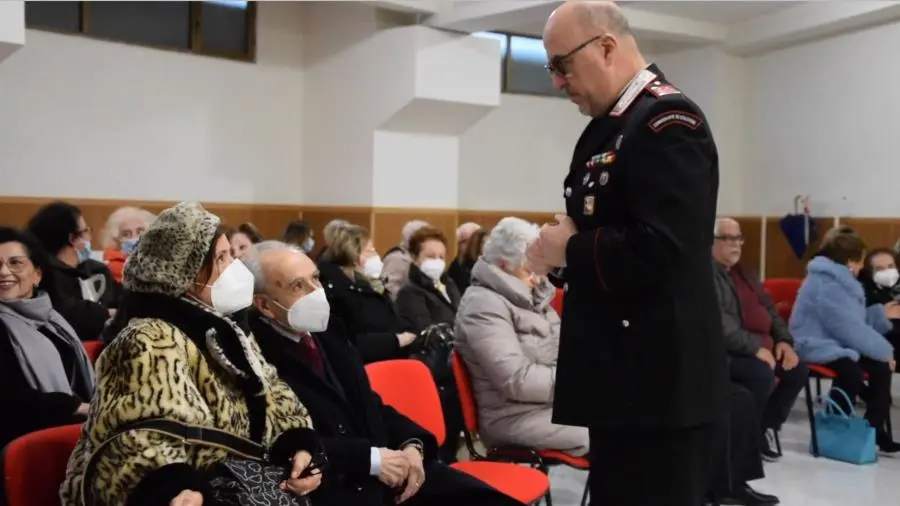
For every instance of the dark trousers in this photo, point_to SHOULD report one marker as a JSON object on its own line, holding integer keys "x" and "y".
{"x": 877, "y": 395}
{"x": 738, "y": 460}
{"x": 773, "y": 403}
{"x": 445, "y": 486}
{"x": 652, "y": 468}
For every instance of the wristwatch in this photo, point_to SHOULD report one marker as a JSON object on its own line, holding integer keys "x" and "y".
{"x": 414, "y": 443}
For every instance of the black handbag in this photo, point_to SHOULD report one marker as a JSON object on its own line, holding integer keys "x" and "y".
{"x": 247, "y": 478}
{"x": 433, "y": 348}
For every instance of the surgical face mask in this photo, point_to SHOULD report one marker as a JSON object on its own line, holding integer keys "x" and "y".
{"x": 233, "y": 290}
{"x": 308, "y": 245}
{"x": 309, "y": 313}
{"x": 886, "y": 278}
{"x": 127, "y": 246}
{"x": 373, "y": 267}
{"x": 85, "y": 252}
{"x": 433, "y": 268}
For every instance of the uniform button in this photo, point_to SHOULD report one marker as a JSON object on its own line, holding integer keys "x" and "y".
{"x": 359, "y": 489}
{"x": 625, "y": 323}
{"x": 341, "y": 429}
{"x": 565, "y": 287}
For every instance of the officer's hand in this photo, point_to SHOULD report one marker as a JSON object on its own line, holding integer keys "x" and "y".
{"x": 553, "y": 240}
{"x": 536, "y": 260}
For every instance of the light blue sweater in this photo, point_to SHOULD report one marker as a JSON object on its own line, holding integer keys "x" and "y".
{"x": 830, "y": 319}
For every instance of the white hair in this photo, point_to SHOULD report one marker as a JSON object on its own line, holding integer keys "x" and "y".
{"x": 409, "y": 229}
{"x": 115, "y": 220}
{"x": 720, "y": 222}
{"x": 253, "y": 260}
{"x": 466, "y": 230}
{"x": 331, "y": 228}
{"x": 508, "y": 241}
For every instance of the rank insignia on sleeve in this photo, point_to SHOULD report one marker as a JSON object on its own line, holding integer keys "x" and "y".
{"x": 668, "y": 118}
{"x": 589, "y": 205}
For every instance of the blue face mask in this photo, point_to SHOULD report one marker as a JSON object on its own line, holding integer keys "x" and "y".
{"x": 127, "y": 246}
{"x": 308, "y": 245}
{"x": 84, "y": 253}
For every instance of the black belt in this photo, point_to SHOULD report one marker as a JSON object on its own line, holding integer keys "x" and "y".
{"x": 202, "y": 435}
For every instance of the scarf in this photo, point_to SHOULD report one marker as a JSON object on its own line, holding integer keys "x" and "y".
{"x": 26, "y": 320}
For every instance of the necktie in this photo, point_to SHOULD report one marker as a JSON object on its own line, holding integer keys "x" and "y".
{"x": 311, "y": 354}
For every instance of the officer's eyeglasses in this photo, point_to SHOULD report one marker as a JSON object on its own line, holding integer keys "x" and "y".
{"x": 16, "y": 265}
{"x": 557, "y": 64}
{"x": 734, "y": 239}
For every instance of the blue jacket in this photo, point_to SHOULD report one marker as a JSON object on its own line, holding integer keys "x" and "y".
{"x": 830, "y": 319}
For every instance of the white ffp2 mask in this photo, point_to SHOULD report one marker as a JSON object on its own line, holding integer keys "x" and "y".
{"x": 309, "y": 313}
{"x": 886, "y": 278}
{"x": 373, "y": 267}
{"x": 433, "y": 268}
{"x": 233, "y": 290}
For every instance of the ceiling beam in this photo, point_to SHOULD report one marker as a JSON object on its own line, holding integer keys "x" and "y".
{"x": 806, "y": 22}
{"x": 413, "y": 6}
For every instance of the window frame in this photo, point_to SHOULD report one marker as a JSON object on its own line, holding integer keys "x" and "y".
{"x": 195, "y": 27}
{"x": 506, "y": 67}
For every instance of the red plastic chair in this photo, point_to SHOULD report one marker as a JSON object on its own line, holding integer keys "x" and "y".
{"x": 35, "y": 465}
{"x": 542, "y": 459}
{"x": 407, "y": 386}
{"x": 93, "y": 349}
{"x": 783, "y": 292}
{"x": 557, "y": 302}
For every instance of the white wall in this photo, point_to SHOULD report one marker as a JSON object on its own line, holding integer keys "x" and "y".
{"x": 93, "y": 119}
{"x": 516, "y": 158}
{"x": 12, "y": 27}
{"x": 823, "y": 122}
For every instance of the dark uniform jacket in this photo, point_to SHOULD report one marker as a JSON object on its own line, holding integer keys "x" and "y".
{"x": 347, "y": 415}
{"x": 641, "y": 343}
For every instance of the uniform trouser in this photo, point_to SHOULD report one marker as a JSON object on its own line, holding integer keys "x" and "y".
{"x": 738, "y": 458}
{"x": 653, "y": 468}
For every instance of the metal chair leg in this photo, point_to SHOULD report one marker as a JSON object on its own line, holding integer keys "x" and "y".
{"x": 587, "y": 489}
{"x": 814, "y": 438}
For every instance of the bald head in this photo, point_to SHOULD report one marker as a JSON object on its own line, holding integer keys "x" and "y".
{"x": 591, "y": 54}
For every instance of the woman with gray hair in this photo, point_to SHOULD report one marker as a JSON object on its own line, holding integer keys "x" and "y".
{"x": 508, "y": 336}
{"x": 124, "y": 228}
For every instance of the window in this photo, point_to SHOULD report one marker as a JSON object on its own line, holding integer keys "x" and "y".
{"x": 222, "y": 28}
{"x": 523, "y": 64}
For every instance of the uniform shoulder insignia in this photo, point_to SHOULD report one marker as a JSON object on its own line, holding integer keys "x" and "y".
{"x": 631, "y": 92}
{"x": 669, "y": 118}
{"x": 659, "y": 89}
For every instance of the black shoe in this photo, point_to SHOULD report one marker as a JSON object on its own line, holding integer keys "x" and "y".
{"x": 887, "y": 445}
{"x": 754, "y": 498}
{"x": 769, "y": 447}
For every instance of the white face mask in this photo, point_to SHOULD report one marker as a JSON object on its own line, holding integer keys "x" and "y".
{"x": 373, "y": 267}
{"x": 310, "y": 313}
{"x": 433, "y": 268}
{"x": 886, "y": 278}
{"x": 233, "y": 290}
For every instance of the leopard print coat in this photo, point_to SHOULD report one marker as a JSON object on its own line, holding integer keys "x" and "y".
{"x": 153, "y": 370}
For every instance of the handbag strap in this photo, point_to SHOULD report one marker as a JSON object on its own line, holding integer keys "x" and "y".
{"x": 188, "y": 434}
{"x": 829, "y": 402}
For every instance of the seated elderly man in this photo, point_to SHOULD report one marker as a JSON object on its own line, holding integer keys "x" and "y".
{"x": 376, "y": 456}
{"x": 395, "y": 272}
{"x": 757, "y": 339}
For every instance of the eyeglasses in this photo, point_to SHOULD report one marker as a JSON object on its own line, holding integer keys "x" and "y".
{"x": 557, "y": 64}
{"x": 16, "y": 265}
{"x": 737, "y": 239}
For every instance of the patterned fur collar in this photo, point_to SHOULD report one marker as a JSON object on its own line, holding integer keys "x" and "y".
{"x": 220, "y": 338}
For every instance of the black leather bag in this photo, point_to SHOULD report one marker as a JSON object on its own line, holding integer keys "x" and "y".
{"x": 246, "y": 478}
{"x": 433, "y": 347}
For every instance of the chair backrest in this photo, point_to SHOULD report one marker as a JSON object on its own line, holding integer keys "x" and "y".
{"x": 34, "y": 465}
{"x": 93, "y": 349}
{"x": 407, "y": 386}
{"x": 783, "y": 292}
{"x": 467, "y": 401}
{"x": 557, "y": 302}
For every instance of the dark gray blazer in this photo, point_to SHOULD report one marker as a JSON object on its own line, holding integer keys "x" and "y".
{"x": 739, "y": 341}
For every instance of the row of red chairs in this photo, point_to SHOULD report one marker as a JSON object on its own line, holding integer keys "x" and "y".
{"x": 35, "y": 464}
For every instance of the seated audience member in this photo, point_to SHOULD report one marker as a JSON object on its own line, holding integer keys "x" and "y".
{"x": 508, "y": 336}
{"x": 46, "y": 375}
{"x": 123, "y": 229}
{"x": 204, "y": 371}
{"x": 327, "y": 234}
{"x": 832, "y": 326}
{"x": 62, "y": 231}
{"x": 359, "y": 299}
{"x": 879, "y": 278}
{"x": 469, "y": 250}
{"x": 738, "y": 458}
{"x": 242, "y": 237}
{"x": 757, "y": 339}
{"x": 300, "y": 234}
{"x": 429, "y": 296}
{"x": 396, "y": 261}
{"x": 375, "y": 454}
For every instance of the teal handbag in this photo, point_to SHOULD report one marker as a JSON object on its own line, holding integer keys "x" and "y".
{"x": 844, "y": 437}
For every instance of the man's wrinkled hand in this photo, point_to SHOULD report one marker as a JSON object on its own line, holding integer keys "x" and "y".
{"x": 394, "y": 467}
{"x": 416, "y": 475}
{"x": 554, "y": 238}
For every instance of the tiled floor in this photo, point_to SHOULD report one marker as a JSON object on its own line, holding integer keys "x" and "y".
{"x": 798, "y": 479}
